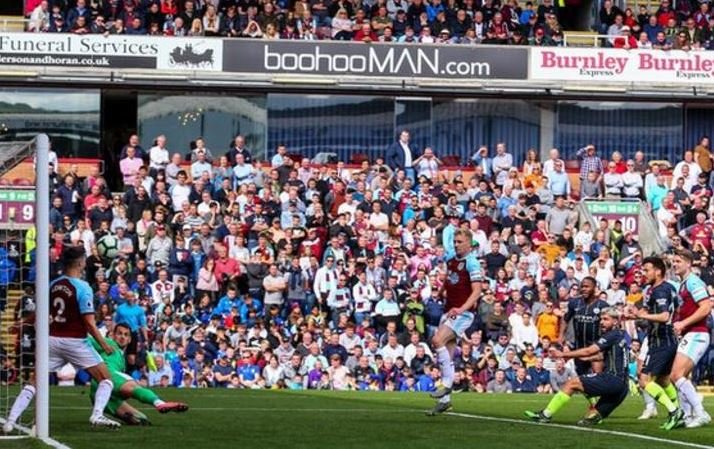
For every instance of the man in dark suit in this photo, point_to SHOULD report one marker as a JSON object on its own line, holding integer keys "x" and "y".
{"x": 400, "y": 155}
{"x": 239, "y": 148}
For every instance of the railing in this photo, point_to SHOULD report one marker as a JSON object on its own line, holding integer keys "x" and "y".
{"x": 12, "y": 153}
{"x": 575, "y": 39}
{"x": 11, "y": 24}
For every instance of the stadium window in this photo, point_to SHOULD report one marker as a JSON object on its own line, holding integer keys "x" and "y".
{"x": 217, "y": 118}
{"x": 655, "y": 128}
{"x": 70, "y": 117}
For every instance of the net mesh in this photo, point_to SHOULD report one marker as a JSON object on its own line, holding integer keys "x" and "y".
{"x": 17, "y": 307}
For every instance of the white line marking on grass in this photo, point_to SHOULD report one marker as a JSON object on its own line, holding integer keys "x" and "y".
{"x": 48, "y": 441}
{"x": 274, "y": 409}
{"x": 584, "y": 429}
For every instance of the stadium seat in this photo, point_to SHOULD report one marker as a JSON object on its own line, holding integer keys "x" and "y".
{"x": 22, "y": 182}
{"x": 358, "y": 158}
{"x": 296, "y": 157}
{"x": 572, "y": 165}
{"x": 451, "y": 160}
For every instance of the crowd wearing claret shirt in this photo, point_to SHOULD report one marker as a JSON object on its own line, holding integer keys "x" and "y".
{"x": 686, "y": 26}
{"x": 236, "y": 272}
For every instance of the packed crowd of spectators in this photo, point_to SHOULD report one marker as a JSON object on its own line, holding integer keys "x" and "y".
{"x": 688, "y": 25}
{"x": 682, "y": 25}
{"x": 409, "y": 21}
{"x": 245, "y": 273}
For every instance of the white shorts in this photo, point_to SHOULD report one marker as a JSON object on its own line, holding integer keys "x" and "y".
{"x": 694, "y": 345}
{"x": 644, "y": 350}
{"x": 77, "y": 351}
{"x": 459, "y": 323}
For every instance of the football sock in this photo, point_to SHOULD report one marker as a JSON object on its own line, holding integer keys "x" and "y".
{"x": 649, "y": 400}
{"x": 657, "y": 392}
{"x": 104, "y": 392}
{"x": 684, "y": 404}
{"x": 555, "y": 404}
{"x": 146, "y": 396}
{"x": 447, "y": 370}
{"x": 686, "y": 389}
{"x": 592, "y": 400}
{"x": 671, "y": 393}
{"x": 21, "y": 403}
{"x": 447, "y": 366}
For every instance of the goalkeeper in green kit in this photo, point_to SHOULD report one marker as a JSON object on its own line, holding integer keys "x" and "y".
{"x": 125, "y": 387}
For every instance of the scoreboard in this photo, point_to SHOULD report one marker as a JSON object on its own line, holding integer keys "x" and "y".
{"x": 17, "y": 208}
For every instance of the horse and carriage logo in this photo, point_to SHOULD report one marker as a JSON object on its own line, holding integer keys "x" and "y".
{"x": 188, "y": 57}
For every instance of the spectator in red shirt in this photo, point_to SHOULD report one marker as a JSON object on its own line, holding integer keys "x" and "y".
{"x": 625, "y": 40}
{"x": 365, "y": 34}
{"x": 227, "y": 269}
{"x": 664, "y": 13}
{"x": 701, "y": 232}
{"x": 620, "y": 163}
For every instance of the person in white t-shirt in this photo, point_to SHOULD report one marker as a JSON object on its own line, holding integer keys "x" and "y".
{"x": 363, "y": 295}
{"x": 159, "y": 154}
{"x": 615, "y": 294}
{"x": 526, "y": 334}
{"x": 379, "y": 221}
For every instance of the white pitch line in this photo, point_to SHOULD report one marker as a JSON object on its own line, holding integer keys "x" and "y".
{"x": 584, "y": 429}
{"x": 274, "y": 409}
{"x": 48, "y": 441}
{"x": 58, "y": 445}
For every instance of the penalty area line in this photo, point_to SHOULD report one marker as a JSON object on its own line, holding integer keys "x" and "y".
{"x": 583, "y": 429}
{"x": 30, "y": 433}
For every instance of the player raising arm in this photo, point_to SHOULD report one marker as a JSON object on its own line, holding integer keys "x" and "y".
{"x": 462, "y": 289}
{"x": 610, "y": 385}
{"x": 71, "y": 320}
{"x": 659, "y": 305}
{"x": 691, "y": 325}
{"x": 125, "y": 387}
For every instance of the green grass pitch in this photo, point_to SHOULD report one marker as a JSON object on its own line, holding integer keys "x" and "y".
{"x": 343, "y": 420}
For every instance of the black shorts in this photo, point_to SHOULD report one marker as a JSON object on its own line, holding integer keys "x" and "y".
{"x": 582, "y": 368}
{"x": 132, "y": 347}
{"x": 659, "y": 360}
{"x": 603, "y": 384}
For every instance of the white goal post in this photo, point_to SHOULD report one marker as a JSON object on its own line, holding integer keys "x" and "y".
{"x": 42, "y": 288}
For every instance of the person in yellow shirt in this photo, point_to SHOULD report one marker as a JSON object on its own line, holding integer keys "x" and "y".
{"x": 549, "y": 250}
{"x": 548, "y": 323}
{"x": 529, "y": 358}
{"x": 634, "y": 294}
{"x": 703, "y": 155}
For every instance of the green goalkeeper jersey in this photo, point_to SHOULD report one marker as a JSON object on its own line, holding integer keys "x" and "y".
{"x": 115, "y": 361}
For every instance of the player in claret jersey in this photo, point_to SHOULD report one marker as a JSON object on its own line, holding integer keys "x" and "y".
{"x": 71, "y": 320}
{"x": 610, "y": 385}
{"x": 462, "y": 290}
{"x": 691, "y": 325}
